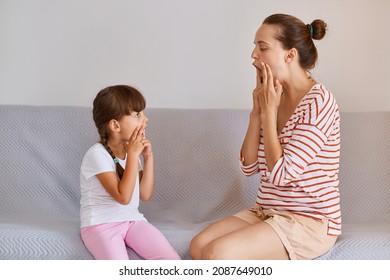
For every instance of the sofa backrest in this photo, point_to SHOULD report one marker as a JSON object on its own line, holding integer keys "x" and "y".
{"x": 196, "y": 155}
{"x": 41, "y": 148}
{"x": 365, "y": 166}
{"x": 197, "y": 163}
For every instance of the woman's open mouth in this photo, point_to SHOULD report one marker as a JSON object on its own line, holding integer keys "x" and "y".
{"x": 257, "y": 67}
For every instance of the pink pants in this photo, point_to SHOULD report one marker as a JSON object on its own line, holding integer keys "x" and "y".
{"x": 108, "y": 241}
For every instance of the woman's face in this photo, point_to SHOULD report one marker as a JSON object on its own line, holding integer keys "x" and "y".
{"x": 269, "y": 50}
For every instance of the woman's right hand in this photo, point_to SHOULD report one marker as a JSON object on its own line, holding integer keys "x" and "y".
{"x": 255, "y": 95}
{"x": 250, "y": 146}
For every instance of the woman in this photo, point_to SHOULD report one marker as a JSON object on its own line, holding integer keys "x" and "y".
{"x": 293, "y": 140}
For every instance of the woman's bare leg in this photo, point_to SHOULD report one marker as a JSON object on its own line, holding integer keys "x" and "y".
{"x": 253, "y": 242}
{"x": 212, "y": 232}
{"x": 234, "y": 238}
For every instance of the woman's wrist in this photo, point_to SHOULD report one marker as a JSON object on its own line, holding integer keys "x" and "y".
{"x": 255, "y": 116}
{"x": 268, "y": 115}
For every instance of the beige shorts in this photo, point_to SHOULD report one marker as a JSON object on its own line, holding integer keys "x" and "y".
{"x": 303, "y": 237}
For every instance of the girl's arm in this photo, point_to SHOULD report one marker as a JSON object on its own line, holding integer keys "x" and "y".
{"x": 146, "y": 184}
{"x": 121, "y": 191}
{"x": 147, "y": 178}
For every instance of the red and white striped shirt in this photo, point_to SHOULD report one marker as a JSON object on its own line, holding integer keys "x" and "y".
{"x": 305, "y": 179}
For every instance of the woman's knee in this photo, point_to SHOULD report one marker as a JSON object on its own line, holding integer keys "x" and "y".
{"x": 200, "y": 249}
{"x": 215, "y": 250}
{"x": 196, "y": 247}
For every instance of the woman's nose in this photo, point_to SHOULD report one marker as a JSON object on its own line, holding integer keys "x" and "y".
{"x": 254, "y": 54}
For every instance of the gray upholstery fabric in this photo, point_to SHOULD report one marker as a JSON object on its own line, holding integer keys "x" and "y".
{"x": 197, "y": 178}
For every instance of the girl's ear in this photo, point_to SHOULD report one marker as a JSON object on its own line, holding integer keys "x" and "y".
{"x": 114, "y": 125}
{"x": 291, "y": 55}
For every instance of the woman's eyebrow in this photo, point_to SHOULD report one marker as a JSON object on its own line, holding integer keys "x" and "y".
{"x": 261, "y": 42}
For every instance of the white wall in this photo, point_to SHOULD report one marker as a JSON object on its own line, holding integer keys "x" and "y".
{"x": 181, "y": 53}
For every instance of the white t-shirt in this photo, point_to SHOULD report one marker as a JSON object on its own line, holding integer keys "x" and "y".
{"x": 96, "y": 204}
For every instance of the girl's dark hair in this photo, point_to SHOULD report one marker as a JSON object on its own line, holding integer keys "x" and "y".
{"x": 294, "y": 33}
{"x": 114, "y": 102}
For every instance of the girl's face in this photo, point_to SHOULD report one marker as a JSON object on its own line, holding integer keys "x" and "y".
{"x": 269, "y": 50}
{"x": 130, "y": 122}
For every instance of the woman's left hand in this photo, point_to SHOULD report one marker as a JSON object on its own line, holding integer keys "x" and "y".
{"x": 270, "y": 92}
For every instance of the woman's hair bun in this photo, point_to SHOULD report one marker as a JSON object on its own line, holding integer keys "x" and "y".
{"x": 317, "y": 29}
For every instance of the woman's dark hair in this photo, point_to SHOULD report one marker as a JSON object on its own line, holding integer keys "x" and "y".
{"x": 294, "y": 33}
{"x": 114, "y": 102}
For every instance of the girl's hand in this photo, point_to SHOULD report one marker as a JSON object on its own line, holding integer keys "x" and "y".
{"x": 135, "y": 145}
{"x": 270, "y": 92}
{"x": 147, "y": 151}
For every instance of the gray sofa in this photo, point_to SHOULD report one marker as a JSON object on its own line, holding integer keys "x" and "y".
{"x": 197, "y": 178}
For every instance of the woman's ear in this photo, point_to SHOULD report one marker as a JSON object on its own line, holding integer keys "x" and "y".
{"x": 291, "y": 55}
{"x": 114, "y": 125}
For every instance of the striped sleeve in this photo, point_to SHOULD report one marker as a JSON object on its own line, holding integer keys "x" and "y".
{"x": 250, "y": 169}
{"x": 308, "y": 139}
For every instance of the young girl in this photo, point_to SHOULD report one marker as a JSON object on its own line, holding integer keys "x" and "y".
{"x": 112, "y": 181}
{"x": 293, "y": 140}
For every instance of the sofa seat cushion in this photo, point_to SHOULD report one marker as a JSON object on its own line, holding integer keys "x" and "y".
{"x": 362, "y": 241}
{"x": 41, "y": 238}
